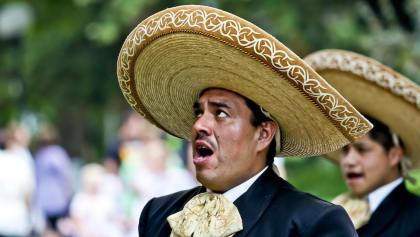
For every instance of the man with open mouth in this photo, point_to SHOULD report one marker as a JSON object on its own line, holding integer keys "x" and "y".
{"x": 375, "y": 166}
{"x": 242, "y": 97}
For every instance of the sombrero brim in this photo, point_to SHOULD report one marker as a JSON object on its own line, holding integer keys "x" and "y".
{"x": 375, "y": 90}
{"x": 170, "y": 57}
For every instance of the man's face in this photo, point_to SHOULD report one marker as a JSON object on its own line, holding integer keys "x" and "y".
{"x": 224, "y": 140}
{"x": 366, "y": 166}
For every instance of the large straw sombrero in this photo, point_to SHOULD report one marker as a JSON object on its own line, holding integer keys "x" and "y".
{"x": 173, "y": 55}
{"x": 375, "y": 90}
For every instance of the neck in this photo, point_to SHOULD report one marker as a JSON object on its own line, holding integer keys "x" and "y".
{"x": 244, "y": 183}
{"x": 395, "y": 174}
{"x": 225, "y": 186}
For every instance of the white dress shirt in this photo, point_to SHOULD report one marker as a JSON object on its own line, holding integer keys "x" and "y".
{"x": 237, "y": 191}
{"x": 376, "y": 197}
{"x": 233, "y": 193}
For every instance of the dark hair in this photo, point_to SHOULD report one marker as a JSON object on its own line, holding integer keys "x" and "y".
{"x": 258, "y": 118}
{"x": 382, "y": 134}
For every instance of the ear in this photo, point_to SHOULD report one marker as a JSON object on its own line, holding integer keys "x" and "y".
{"x": 395, "y": 155}
{"x": 266, "y": 133}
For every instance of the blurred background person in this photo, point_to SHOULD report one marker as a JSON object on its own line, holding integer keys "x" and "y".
{"x": 376, "y": 165}
{"x": 53, "y": 175}
{"x": 17, "y": 182}
{"x": 133, "y": 134}
{"x": 157, "y": 177}
{"x": 132, "y": 131}
{"x": 139, "y": 162}
{"x": 93, "y": 211}
{"x": 150, "y": 170}
{"x": 17, "y": 142}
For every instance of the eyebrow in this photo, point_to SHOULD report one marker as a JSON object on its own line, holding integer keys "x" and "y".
{"x": 196, "y": 105}
{"x": 359, "y": 145}
{"x": 219, "y": 104}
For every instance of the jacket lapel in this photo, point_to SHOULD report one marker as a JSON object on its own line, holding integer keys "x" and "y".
{"x": 157, "y": 224}
{"x": 385, "y": 212}
{"x": 254, "y": 202}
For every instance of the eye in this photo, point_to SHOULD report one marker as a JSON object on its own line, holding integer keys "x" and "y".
{"x": 221, "y": 114}
{"x": 362, "y": 149}
{"x": 345, "y": 150}
{"x": 198, "y": 113}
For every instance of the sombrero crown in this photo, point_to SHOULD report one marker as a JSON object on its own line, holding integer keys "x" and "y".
{"x": 173, "y": 55}
{"x": 375, "y": 90}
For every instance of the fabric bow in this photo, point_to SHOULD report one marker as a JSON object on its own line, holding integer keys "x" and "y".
{"x": 206, "y": 215}
{"x": 356, "y": 208}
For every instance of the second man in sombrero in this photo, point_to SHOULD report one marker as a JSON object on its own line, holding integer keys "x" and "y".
{"x": 242, "y": 97}
{"x": 376, "y": 165}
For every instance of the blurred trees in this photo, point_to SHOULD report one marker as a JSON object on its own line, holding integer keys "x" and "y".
{"x": 62, "y": 66}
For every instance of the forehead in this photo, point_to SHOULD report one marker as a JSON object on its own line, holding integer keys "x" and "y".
{"x": 220, "y": 94}
{"x": 365, "y": 142}
{"x": 365, "y": 139}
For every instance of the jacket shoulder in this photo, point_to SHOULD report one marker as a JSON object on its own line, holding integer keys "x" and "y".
{"x": 153, "y": 216}
{"x": 302, "y": 200}
{"x": 310, "y": 215}
{"x": 410, "y": 210}
{"x": 172, "y": 201}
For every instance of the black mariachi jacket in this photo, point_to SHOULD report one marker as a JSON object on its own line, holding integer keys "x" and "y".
{"x": 398, "y": 215}
{"x": 270, "y": 207}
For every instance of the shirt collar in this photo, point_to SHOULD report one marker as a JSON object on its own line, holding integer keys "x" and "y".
{"x": 376, "y": 197}
{"x": 234, "y": 193}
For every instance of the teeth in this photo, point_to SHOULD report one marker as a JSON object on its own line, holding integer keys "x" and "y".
{"x": 202, "y": 147}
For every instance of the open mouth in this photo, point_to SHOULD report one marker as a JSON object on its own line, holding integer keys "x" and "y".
{"x": 202, "y": 152}
{"x": 353, "y": 175}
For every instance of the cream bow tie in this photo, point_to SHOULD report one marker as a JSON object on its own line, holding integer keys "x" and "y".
{"x": 356, "y": 208}
{"x": 206, "y": 215}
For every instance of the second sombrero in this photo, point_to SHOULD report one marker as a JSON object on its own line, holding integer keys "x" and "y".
{"x": 375, "y": 90}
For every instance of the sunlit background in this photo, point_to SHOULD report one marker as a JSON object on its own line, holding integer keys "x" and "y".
{"x": 86, "y": 162}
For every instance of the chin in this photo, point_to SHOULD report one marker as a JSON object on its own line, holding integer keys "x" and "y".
{"x": 203, "y": 179}
{"x": 209, "y": 181}
{"x": 359, "y": 193}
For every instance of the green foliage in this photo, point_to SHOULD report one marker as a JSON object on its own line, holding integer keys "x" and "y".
{"x": 414, "y": 187}
{"x": 316, "y": 175}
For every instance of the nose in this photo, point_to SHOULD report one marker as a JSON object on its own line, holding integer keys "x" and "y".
{"x": 203, "y": 125}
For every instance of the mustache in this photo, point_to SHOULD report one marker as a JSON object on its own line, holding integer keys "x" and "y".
{"x": 203, "y": 137}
